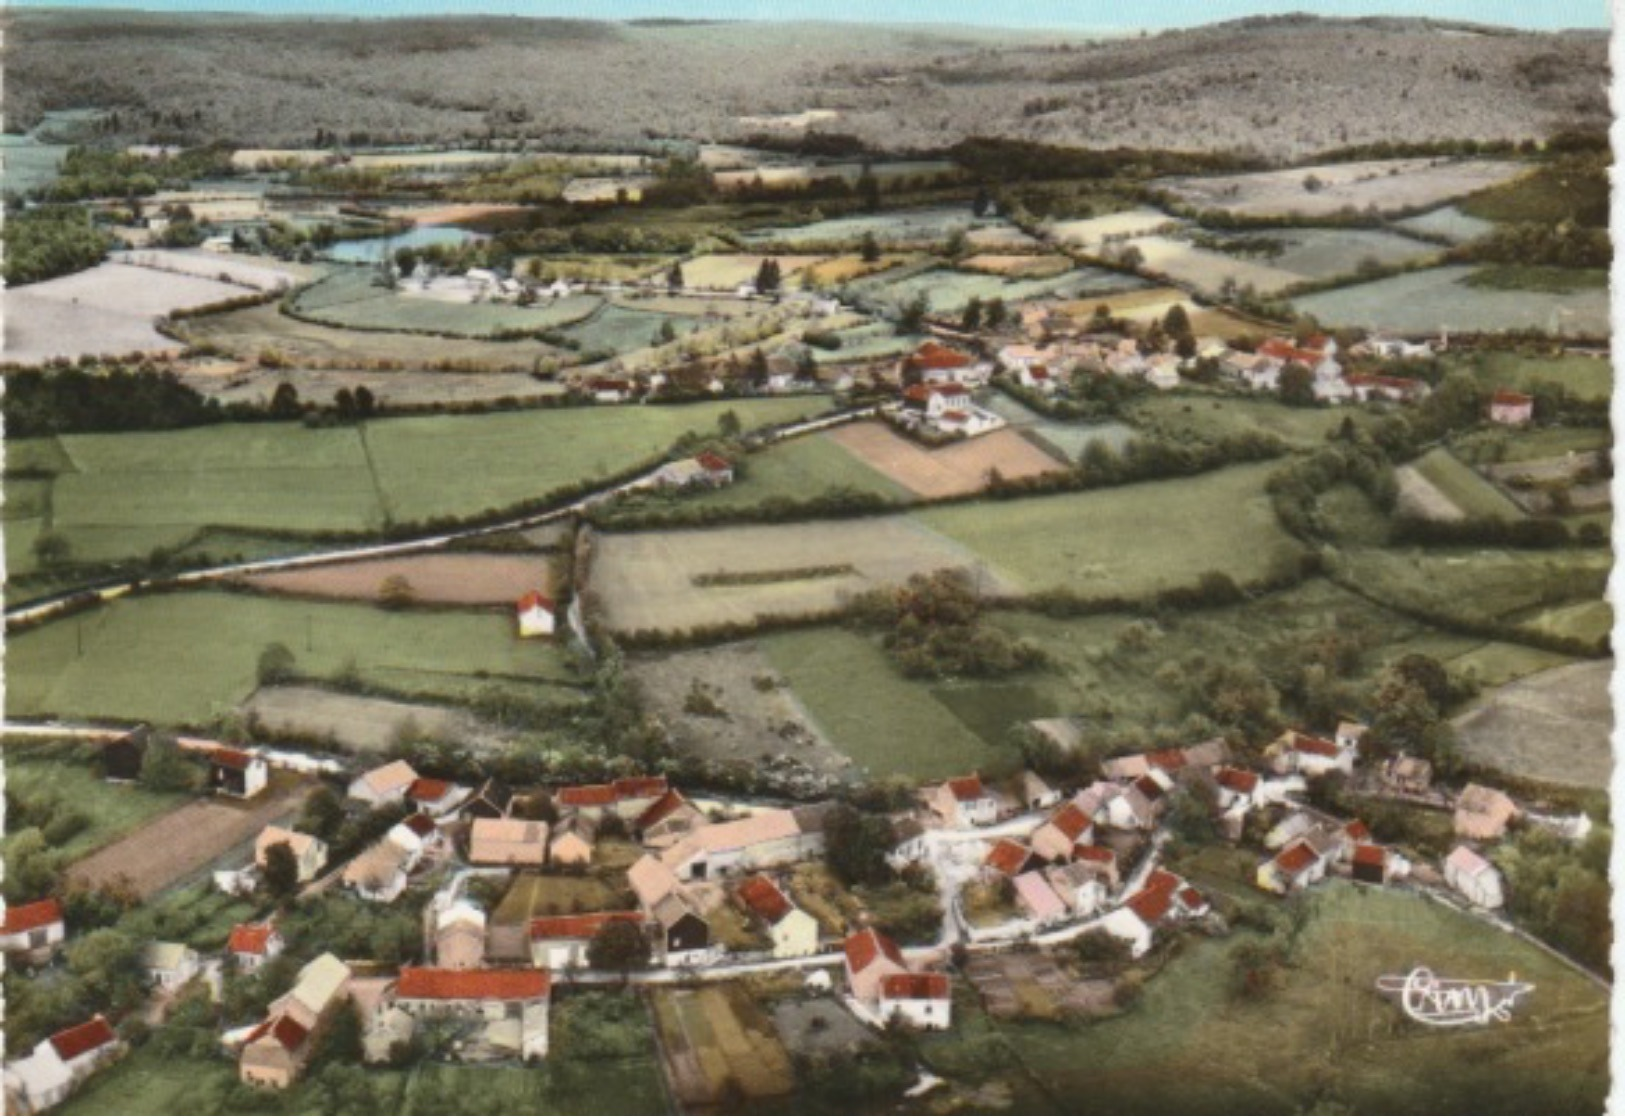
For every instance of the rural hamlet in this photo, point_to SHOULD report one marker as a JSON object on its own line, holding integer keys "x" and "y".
{"x": 668, "y": 559}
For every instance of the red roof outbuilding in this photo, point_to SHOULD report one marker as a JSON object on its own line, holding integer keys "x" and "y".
{"x": 474, "y": 983}
{"x": 77, "y": 1041}
{"x": 31, "y": 915}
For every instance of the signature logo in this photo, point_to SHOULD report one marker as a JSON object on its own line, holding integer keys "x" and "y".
{"x": 1454, "y": 1003}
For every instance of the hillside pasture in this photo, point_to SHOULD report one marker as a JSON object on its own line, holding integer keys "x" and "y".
{"x": 835, "y": 271}
{"x": 1590, "y": 378}
{"x": 348, "y": 298}
{"x": 927, "y": 227}
{"x": 1436, "y": 299}
{"x": 1550, "y": 727}
{"x": 1206, "y": 270}
{"x": 799, "y": 468}
{"x": 960, "y": 468}
{"x": 461, "y": 578}
{"x": 1388, "y": 185}
{"x": 1321, "y": 254}
{"x": 1090, "y": 233}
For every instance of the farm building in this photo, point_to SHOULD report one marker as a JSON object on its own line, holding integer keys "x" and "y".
{"x": 33, "y": 930}
{"x": 512, "y": 1003}
{"x": 235, "y": 773}
{"x": 765, "y": 839}
{"x": 535, "y": 614}
{"x": 933, "y": 362}
{"x": 666, "y": 821}
{"x": 1293, "y": 868}
{"x": 1475, "y": 877}
{"x": 436, "y": 797}
{"x": 1165, "y": 898}
{"x": 251, "y": 944}
{"x": 276, "y": 1051}
{"x": 508, "y": 843}
{"x": 627, "y": 798}
{"x": 309, "y": 853}
{"x": 793, "y": 930}
{"x": 561, "y": 943}
{"x": 1008, "y": 858}
{"x": 1081, "y": 886}
{"x": 684, "y": 936}
{"x": 964, "y": 802}
{"x": 384, "y": 785}
{"x": 57, "y": 1066}
{"x": 1068, "y": 827}
{"x": 1483, "y": 813}
{"x": 1511, "y": 408}
{"x": 1038, "y": 898}
{"x": 572, "y": 841}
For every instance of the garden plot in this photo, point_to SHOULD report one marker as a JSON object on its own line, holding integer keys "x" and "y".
{"x": 108, "y": 309}
{"x": 1386, "y": 185}
{"x": 716, "y": 1043}
{"x": 1447, "y": 222}
{"x": 729, "y": 703}
{"x": 1206, "y": 270}
{"x": 646, "y": 580}
{"x": 1436, "y": 299}
{"x": 1032, "y": 986}
{"x": 1551, "y": 727}
{"x": 727, "y": 271}
{"x": 1091, "y": 233}
{"x": 960, "y": 468}
{"x": 464, "y": 578}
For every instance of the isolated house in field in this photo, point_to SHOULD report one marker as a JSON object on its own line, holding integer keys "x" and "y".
{"x": 562, "y": 943}
{"x": 1510, "y": 408}
{"x": 1483, "y": 813}
{"x": 276, "y": 1052}
{"x": 921, "y": 1000}
{"x": 122, "y": 757}
{"x": 535, "y": 615}
{"x": 235, "y": 773}
{"x": 170, "y": 964}
{"x": 1065, "y": 830}
{"x": 252, "y": 944}
{"x": 309, "y": 853}
{"x": 511, "y": 1002}
{"x": 1475, "y": 877}
{"x": 965, "y": 803}
{"x": 385, "y": 785}
{"x": 794, "y": 932}
{"x": 32, "y": 931}
{"x": 508, "y": 842}
{"x": 58, "y": 1066}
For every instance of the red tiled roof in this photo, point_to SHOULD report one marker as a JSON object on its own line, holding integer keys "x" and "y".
{"x": 1403, "y": 384}
{"x": 1152, "y": 902}
{"x": 967, "y": 789}
{"x": 711, "y": 461}
{"x": 1357, "y": 831}
{"x": 1242, "y": 781}
{"x": 226, "y": 756}
{"x": 1296, "y": 858}
{"x": 1093, "y": 853}
{"x": 580, "y": 796}
{"x": 1168, "y": 760}
{"x": 1149, "y": 787}
{"x": 250, "y": 937}
{"x": 1071, "y": 820}
{"x": 533, "y": 599}
{"x": 428, "y": 789}
{"x": 932, "y": 355}
{"x": 1008, "y": 857}
{"x": 1308, "y": 744}
{"x": 865, "y": 946}
{"x": 1191, "y": 898}
{"x": 629, "y": 788}
{"x": 1507, "y": 396}
{"x": 763, "y": 898}
{"x": 579, "y": 927}
{"x": 1284, "y": 351}
{"x": 420, "y": 824}
{"x": 914, "y": 985}
{"x": 669, "y": 803}
{"x": 91, "y": 1035}
{"x": 956, "y": 415}
{"x": 1370, "y": 855}
{"x": 31, "y": 915}
{"x": 474, "y": 983}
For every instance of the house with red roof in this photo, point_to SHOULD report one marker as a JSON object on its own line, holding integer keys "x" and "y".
{"x": 1099, "y": 860}
{"x": 278, "y": 1049}
{"x": 1066, "y": 828}
{"x": 33, "y": 930}
{"x": 964, "y": 802}
{"x": 922, "y": 1000}
{"x": 1377, "y": 386}
{"x": 560, "y": 943}
{"x": 251, "y": 944}
{"x": 1297, "y": 753}
{"x": 534, "y": 614}
{"x": 509, "y": 1006}
{"x": 1293, "y": 868}
{"x": 627, "y": 798}
{"x": 237, "y": 773}
{"x": 933, "y": 362}
{"x": 1511, "y": 408}
{"x": 871, "y": 956}
{"x": 934, "y": 399}
{"x": 436, "y": 796}
{"x": 1164, "y": 898}
{"x": 668, "y": 820}
{"x": 58, "y": 1066}
{"x": 1008, "y": 858}
{"x": 794, "y": 932}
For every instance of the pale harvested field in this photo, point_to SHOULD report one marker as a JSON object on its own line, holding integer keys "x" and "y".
{"x": 359, "y": 723}
{"x": 1206, "y": 270}
{"x": 1420, "y": 498}
{"x": 260, "y": 273}
{"x": 1090, "y": 232}
{"x": 453, "y": 577}
{"x": 1553, "y": 726}
{"x": 959, "y": 469}
{"x": 453, "y": 212}
{"x": 168, "y": 848}
{"x": 729, "y": 270}
{"x": 1014, "y": 264}
{"x": 645, "y": 580}
{"x": 839, "y": 270}
{"x": 1007, "y": 238}
{"x": 1389, "y": 185}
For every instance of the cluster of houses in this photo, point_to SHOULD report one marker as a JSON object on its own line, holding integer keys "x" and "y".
{"x": 937, "y": 393}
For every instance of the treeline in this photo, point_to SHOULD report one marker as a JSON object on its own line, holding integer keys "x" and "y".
{"x": 49, "y": 241}
{"x": 933, "y": 628}
{"x": 109, "y": 173}
{"x": 1002, "y": 159}
{"x": 1565, "y": 244}
{"x": 116, "y": 398}
{"x": 1494, "y": 532}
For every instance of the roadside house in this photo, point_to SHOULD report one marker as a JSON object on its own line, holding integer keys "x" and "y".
{"x": 252, "y": 944}
{"x": 276, "y": 1052}
{"x": 765, "y": 839}
{"x": 511, "y": 1002}
{"x": 964, "y": 803}
{"x": 1475, "y": 877}
{"x": 58, "y": 1065}
{"x": 794, "y": 932}
{"x": 508, "y": 842}
{"x": 33, "y": 930}
{"x": 561, "y": 943}
{"x": 1511, "y": 408}
{"x": 922, "y": 1000}
{"x": 235, "y": 773}
{"x": 1068, "y": 827}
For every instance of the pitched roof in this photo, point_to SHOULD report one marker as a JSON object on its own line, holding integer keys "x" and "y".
{"x": 250, "y": 937}
{"x": 390, "y": 777}
{"x": 504, "y": 839}
{"x": 914, "y": 985}
{"x": 31, "y": 915}
{"x": 631, "y": 789}
{"x": 474, "y": 983}
{"x": 1153, "y": 900}
{"x": 1309, "y": 744}
{"x": 1093, "y": 853}
{"x": 1071, "y": 820}
{"x": 763, "y": 898}
{"x": 967, "y": 789}
{"x": 530, "y": 600}
{"x": 582, "y": 797}
{"x": 231, "y": 757}
{"x": 651, "y": 881}
{"x": 1167, "y": 760}
{"x": 1469, "y": 862}
{"x": 1190, "y": 897}
{"x": 1242, "y": 781}
{"x": 1369, "y": 855}
{"x": 428, "y": 789}
{"x": 1296, "y": 858}
{"x": 669, "y": 803}
{"x": 759, "y": 828}
{"x": 1008, "y": 857}
{"x": 933, "y": 355}
{"x": 711, "y": 461}
{"x": 579, "y": 927}
{"x": 320, "y": 981}
{"x": 866, "y": 946}
{"x": 1357, "y": 831}
{"x": 82, "y": 1039}
{"x": 1507, "y": 396}
{"x": 1038, "y": 896}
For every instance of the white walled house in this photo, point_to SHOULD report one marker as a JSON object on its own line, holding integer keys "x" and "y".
{"x": 922, "y": 1000}
{"x": 33, "y": 930}
{"x": 58, "y": 1065}
{"x": 965, "y": 803}
{"x": 535, "y": 614}
{"x": 1475, "y": 877}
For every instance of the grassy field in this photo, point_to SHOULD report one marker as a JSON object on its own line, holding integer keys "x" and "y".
{"x": 1127, "y": 540}
{"x": 619, "y": 330}
{"x": 348, "y": 298}
{"x": 1434, "y": 299}
{"x": 1188, "y": 416}
{"x": 885, "y": 723}
{"x": 1489, "y": 583}
{"x": 1586, "y": 377}
{"x": 1472, "y": 494}
{"x": 62, "y": 774}
{"x": 1552, "y": 727}
{"x": 188, "y": 656}
{"x": 1324, "y": 1040}
{"x": 797, "y": 469}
